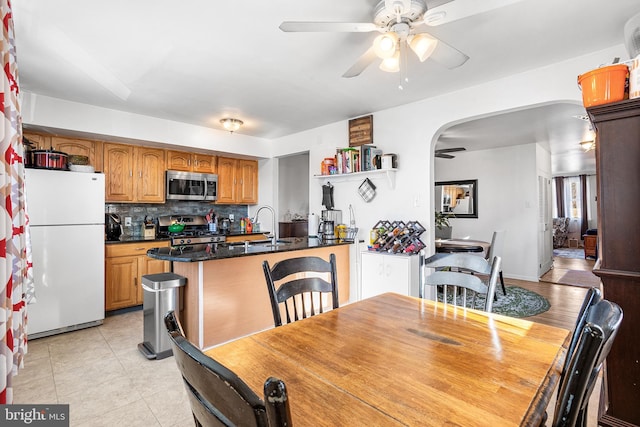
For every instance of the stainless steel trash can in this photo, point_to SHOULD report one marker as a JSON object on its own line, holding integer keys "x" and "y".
{"x": 161, "y": 295}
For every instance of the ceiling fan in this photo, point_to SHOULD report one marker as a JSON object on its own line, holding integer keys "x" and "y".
{"x": 442, "y": 153}
{"x": 399, "y": 23}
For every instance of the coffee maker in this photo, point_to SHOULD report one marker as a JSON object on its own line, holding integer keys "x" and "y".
{"x": 112, "y": 227}
{"x": 329, "y": 220}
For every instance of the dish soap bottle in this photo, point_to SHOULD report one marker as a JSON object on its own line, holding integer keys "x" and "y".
{"x": 242, "y": 225}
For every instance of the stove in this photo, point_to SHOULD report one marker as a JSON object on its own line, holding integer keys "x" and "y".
{"x": 196, "y": 230}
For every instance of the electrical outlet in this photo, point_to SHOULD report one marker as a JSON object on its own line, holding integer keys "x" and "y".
{"x": 127, "y": 221}
{"x": 231, "y": 217}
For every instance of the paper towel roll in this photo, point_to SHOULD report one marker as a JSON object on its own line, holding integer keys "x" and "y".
{"x": 313, "y": 225}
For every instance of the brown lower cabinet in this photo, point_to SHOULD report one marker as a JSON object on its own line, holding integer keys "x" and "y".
{"x": 125, "y": 264}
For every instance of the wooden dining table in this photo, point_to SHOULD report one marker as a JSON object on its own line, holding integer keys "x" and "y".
{"x": 393, "y": 360}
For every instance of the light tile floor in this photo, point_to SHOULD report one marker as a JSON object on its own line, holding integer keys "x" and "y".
{"x": 103, "y": 377}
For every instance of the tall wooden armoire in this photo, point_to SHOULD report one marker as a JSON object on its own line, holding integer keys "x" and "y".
{"x": 617, "y": 128}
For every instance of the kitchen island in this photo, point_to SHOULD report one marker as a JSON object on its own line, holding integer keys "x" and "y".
{"x": 226, "y": 293}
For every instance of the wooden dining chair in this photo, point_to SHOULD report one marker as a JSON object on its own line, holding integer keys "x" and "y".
{"x": 300, "y": 293}
{"x": 217, "y": 396}
{"x": 458, "y": 271}
{"x": 594, "y": 343}
{"x": 497, "y": 243}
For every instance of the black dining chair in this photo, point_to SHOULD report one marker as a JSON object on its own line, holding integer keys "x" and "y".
{"x": 592, "y": 297}
{"x": 301, "y": 294}
{"x": 497, "y": 243}
{"x": 594, "y": 343}
{"x": 217, "y": 396}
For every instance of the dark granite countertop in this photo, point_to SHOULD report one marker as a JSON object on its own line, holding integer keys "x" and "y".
{"x": 215, "y": 251}
{"x": 135, "y": 239}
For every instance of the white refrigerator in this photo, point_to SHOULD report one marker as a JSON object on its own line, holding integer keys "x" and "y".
{"x": 66, "y": 215}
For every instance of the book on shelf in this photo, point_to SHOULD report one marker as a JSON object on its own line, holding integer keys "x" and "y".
{"x": 362, "y": 158}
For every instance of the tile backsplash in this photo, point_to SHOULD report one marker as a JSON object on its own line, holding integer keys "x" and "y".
{"x": 137, "y": 212}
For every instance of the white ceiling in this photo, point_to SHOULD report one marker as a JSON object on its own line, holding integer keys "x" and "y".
{"x": 197, "y": 61}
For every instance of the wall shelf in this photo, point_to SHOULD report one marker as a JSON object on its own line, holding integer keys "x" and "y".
{"x": 390, "y": 174}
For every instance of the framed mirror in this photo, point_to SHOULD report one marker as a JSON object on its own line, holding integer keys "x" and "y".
{"x": 459, "y": 198}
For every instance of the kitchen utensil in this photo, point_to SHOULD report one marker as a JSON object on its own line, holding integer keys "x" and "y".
{"x": 50, "y": 159}
{"x": 176, "y": 227}
{"x": 75, "y": 159}
{"x": 327, "y": 196}
{"x": 113, "y": 227}
{"x": 225, "y": 225}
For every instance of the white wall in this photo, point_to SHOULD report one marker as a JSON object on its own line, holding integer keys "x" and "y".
{"x": 507, "y": 200}
{"x": 60, "y": 114}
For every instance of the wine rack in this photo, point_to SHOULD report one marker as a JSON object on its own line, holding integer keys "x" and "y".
{"x": 397, "y": 237}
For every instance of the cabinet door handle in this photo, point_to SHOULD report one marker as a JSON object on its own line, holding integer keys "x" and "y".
{"x": 189, "y": 162}
{"x": 135, "y": 282}
{"x": 140, "y": 173}
{"x": 130, "y": 173}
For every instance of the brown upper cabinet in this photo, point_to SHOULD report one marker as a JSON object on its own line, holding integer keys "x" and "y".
{"x": 70, "y": 146}
{"x": 134, "y": 174}
{"x": 237, "y": 181}
{"x": 41, "y": 142}
{"x": 80, "y": 147}
{"x": 190, "y": 162}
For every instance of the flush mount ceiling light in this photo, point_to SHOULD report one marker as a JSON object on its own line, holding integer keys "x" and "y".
{"x": 588, "y": 145}
{"x": 231, "y": 125}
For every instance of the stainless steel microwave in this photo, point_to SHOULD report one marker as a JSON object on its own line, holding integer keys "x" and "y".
{"x": 192, "y": 186}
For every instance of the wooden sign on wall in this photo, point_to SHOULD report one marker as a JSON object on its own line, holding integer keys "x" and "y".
{"x": 361, "y": 131}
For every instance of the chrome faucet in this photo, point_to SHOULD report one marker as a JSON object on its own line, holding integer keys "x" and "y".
{"x": 274, "y": 237}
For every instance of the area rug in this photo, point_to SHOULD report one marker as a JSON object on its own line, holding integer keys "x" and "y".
{"x": 569, "y": 253}
{"x": 585, "y": 279}
{"x": 518, "y": 302}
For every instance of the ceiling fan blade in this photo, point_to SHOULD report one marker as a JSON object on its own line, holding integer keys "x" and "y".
{"x": 450, "y": 150}
{"x": 460, "y": 9}
{"x": 361, "y": 64}
{"x": 444, "y": 156}
{"x": 448, "y": 55}
{"x": 435, "y": 3}
{"x": 338, "y": 27}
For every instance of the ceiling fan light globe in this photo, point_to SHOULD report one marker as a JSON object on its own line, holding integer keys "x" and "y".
{"x": 422, "y": 45}
{"x": 391, "y": 65}
{"x": 385, "y": 45}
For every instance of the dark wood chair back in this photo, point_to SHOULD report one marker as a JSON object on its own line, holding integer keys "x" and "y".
{"x": 594, "y": 343}
{"x": 217, "y": 396}
{"x": 301, "y": 296}
{"x": 592, "y": 297}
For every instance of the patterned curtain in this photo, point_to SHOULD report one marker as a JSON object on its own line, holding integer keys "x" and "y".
{"x": 559, "y": 181}
{"x": 15, "y": 271}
